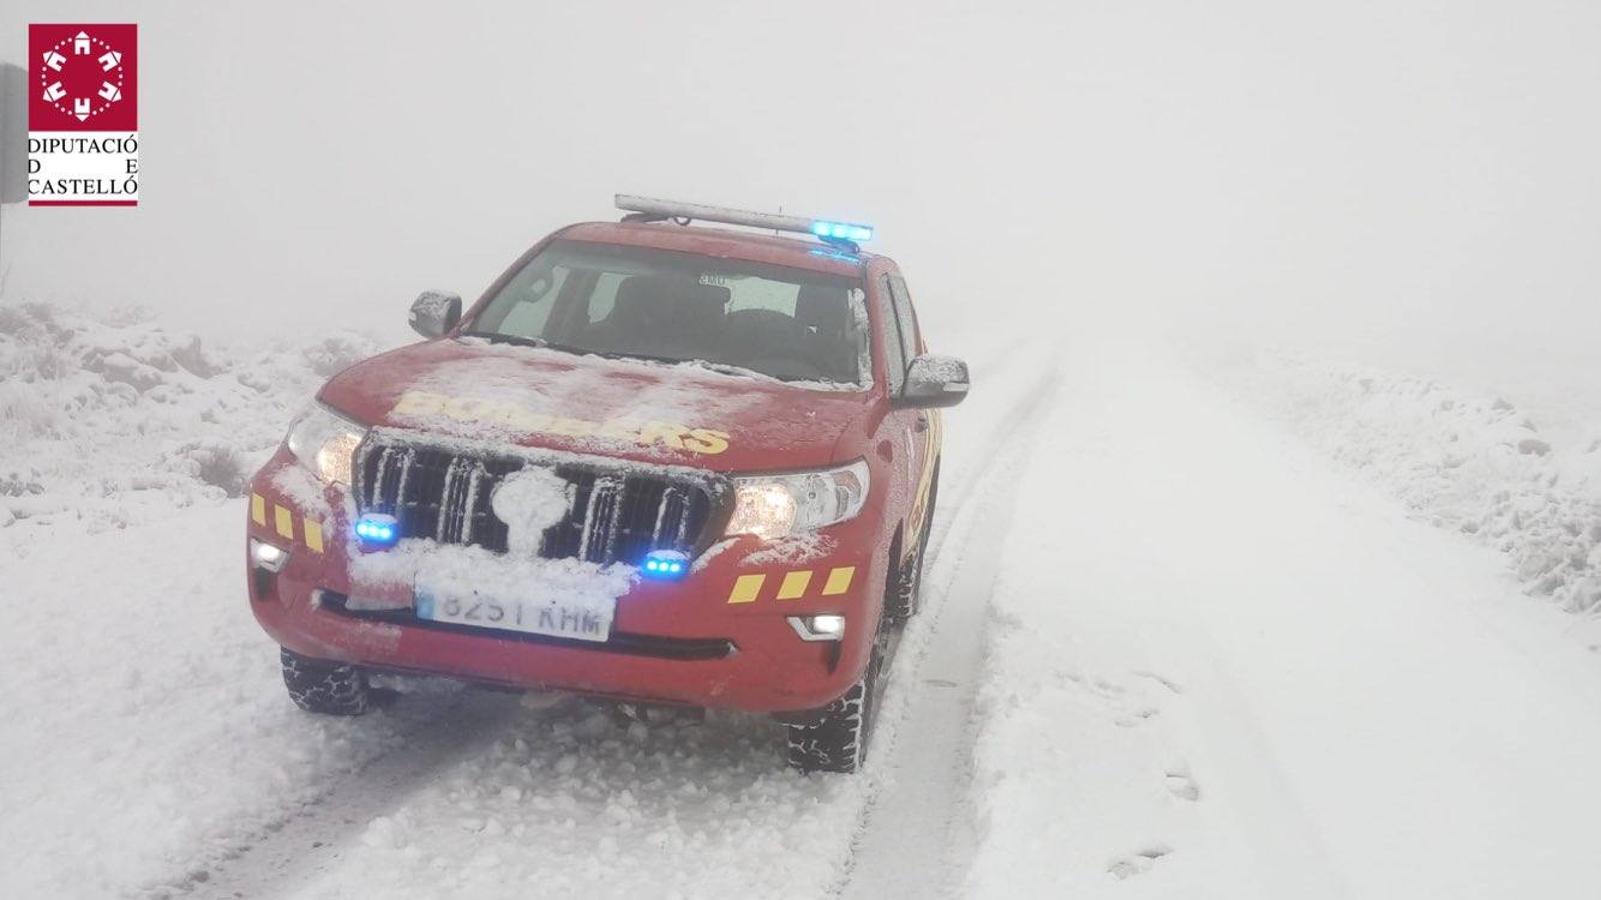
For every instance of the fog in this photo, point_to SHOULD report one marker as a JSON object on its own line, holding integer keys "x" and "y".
{"x": 1192, "y": 620}
{"x": 1414, "y": 182}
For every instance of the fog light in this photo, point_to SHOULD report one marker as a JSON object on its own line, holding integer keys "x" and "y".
{"x": 265, "y": 556}
{"x": 827, "y": 627}
{"x": 378, "y": 530}
{"x": 667, "y": 565}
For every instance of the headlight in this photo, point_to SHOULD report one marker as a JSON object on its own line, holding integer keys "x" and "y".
{"x": 267, "y": 556}
{"x": 772, "y": 506}
{"x": 324, "y": 442}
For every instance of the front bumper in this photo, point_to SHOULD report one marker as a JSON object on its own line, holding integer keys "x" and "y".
{"x": 718, "y": 638}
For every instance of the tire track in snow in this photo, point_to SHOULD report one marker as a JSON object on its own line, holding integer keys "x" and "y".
{"x": 314, "y": 837}
{"x": 916, "y": 830}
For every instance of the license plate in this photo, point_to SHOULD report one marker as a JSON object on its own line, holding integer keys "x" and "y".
{"x": 583, "y": 622}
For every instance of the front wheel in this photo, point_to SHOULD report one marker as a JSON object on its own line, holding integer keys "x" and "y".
{"x": 837, "y": 741}
{"x": 328, "y": 688}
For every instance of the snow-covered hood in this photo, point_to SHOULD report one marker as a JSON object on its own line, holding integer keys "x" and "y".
{"x": 682, "y": 414}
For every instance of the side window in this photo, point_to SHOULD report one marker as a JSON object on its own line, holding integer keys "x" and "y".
{"x": 894, "y": 345}
{"x": 904, "y": 314}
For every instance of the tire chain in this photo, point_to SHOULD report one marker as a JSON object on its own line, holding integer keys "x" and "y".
{"x": 320, "y": 687}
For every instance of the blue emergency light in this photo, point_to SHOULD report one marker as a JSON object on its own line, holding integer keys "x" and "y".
{"x": 377, "y": 529}
{"x": 667, "y": 565}
{"x": 843, "y": 231}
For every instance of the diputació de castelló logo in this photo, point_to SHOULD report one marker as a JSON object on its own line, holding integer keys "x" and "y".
{"x": 83, "y": 115}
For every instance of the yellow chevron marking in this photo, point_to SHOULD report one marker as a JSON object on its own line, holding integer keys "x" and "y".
{"x": 284, "y": 520}
{"x": 746, "y": 588}
{"x": 839, "y": 581}
{"x": 313, "y": 532}
{"x": 794, "y": 584}
{"x": 258, "y": 510}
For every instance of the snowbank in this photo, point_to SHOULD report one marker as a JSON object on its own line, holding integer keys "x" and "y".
{"x": 113, "y": 419}
{"x": 1475, "y": 464}
{"x": 1217, "y": 666}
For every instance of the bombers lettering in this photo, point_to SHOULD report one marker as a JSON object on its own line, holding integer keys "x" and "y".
{"x": 415, "y": 404}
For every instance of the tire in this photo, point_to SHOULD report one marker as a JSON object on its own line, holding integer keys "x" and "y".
{"x": 837, "y": 742}
{"x": 327, "y": 688}
{"x": 901, "y": 599}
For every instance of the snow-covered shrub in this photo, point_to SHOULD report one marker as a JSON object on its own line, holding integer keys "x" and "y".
{"x": 19, "y": 484}
{"x": 335, "y": 353}
{"x": 23, "y": 412}
{"x": 214, "y": 463}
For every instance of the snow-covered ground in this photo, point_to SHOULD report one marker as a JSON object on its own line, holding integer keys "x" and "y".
{"x": 1169, "y": 648}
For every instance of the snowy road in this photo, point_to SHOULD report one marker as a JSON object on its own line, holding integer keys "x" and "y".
{"x": 1167, "y": 651}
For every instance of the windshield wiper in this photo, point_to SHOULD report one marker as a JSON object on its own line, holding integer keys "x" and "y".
{"x": 495, "y": 337}
{"x": 724, "y": 368}
{"x": 645, "y": 357}
{"x": 699, "y": 362}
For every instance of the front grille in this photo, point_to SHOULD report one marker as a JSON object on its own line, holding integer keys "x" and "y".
{"x": 613, "y": 514}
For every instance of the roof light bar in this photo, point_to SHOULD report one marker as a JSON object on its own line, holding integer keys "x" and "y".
{"x": 826, "y": 229}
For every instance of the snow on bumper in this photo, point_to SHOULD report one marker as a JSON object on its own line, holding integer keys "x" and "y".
{"x": 719, "y": 637}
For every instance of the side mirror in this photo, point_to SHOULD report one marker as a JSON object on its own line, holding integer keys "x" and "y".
{"x": 434, "y": 313}
{"x": 934, "y": 381}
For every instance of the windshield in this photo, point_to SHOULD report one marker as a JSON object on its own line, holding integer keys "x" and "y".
{"x": 616, "y": 300}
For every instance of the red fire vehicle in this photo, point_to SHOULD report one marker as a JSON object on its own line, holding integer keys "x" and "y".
{"x": 657, "y": 462}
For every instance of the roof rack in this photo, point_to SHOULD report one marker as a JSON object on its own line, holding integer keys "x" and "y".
{"x": 838, "y": 234}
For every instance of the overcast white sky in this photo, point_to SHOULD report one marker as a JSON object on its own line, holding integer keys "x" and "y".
{"x": 1416, "y": 178}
